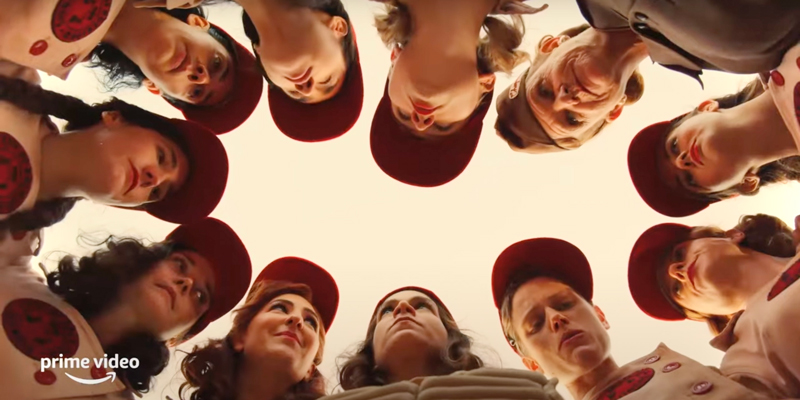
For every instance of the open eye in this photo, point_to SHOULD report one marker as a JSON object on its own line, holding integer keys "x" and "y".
{"x": 386, "y": 310}
{"x": 570, "y": 118}
{"x": 312, "y": 322}
{"x": 544, "y": 91}
{"x": 673, "y": 146}
{"x": 280, "y": 307}
{"x": 564, "y": 305}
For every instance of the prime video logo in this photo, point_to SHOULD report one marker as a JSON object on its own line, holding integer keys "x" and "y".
{"x": 84, "y": 363}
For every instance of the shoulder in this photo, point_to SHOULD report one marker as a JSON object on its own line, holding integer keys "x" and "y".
{"x": 12, "y": 70}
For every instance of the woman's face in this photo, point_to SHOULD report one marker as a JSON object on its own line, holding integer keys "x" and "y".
{"x": 186, "y": 63}
{"x": 699, "y": 156}
{"x": 308, "y": 64}
{"x": 434, "y": 96}
{"x": 702, "y": 275}
{"x": 408, "y": 320}
{"x": 132, "y": 165}
{"x": 172, "y": 296}
{"x": 287, "y": 330}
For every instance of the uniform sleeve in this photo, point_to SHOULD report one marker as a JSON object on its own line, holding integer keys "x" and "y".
{"x": 397, "y": 391}
{"x": 489, "y": 383}
{"x": 12, "y": 70}
{"x": 18, "y": 248}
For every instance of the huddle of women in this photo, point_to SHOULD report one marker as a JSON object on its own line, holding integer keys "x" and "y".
{"x": 131, "y": 302}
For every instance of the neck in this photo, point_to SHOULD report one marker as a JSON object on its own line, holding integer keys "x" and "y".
{"x": 757, "y": 269}
{"x": 624, "y": 50}
{"x": 261, "y": 380}
{"x": 588, "y": 381}
{"x": 760, "y": 132}
{"x": 62, "y": 173}
{"x": 112, "y": 326}
{"x": 131, "y": 30}
{"x": 410, "y": 366}
{"x": 445, "y": 27}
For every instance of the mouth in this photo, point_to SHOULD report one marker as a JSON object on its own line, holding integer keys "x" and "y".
{"x": 568, "y": 337}
{"x": 423, "y": 109}
{"x": 300, "y": 78}
{"x": 134, "y": 178}
{"x": 171, "y": 292}
{"x": 694, "y": 153}
{"x": 179, "y": 60}
{"x": 403, "y": 319}
{"x": 290, "y": 335}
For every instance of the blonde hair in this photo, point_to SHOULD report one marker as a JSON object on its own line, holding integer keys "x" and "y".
{"x": 497, "y": 50}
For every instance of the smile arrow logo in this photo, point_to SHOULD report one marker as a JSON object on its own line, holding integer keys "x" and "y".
{"x": 111, "y": 375}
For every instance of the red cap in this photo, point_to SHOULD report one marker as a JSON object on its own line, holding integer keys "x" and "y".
{"x": 208, "y": 176}
{"x": 230, "y": 262}
{"x": 424, "y": 291}
{"x": 647, "y": 258}
{"x": 321, "y": 121}
{"x": 554, "y": 258}
{"x": 643, "y": 167}
{"x": 324, "y": 291}
{"x": 423, "y": 162}
{"x": 242, "y": 100}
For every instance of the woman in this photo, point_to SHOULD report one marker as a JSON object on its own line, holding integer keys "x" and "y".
{"x": 741, "y": 282}
{"x": 409, "y": 317}
{"x": 179, "y": 55}
{"x": 276, "y": 343}
{"x": 126, "y": 301}
{"x": 726, "y": 147}
{"x": 112, "y": 153}
{"x": 426, "y": 127}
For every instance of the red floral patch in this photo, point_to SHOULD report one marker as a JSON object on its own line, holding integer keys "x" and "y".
{"x": 16, "y": 176}
{"x": 73, "y": 20}
{"x": 627, "y": 385}
{"x": 787, "y": 278}
{"x": 39, "y": 330}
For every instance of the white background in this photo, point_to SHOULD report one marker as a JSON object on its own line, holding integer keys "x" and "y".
{"x": 330, "y": 203}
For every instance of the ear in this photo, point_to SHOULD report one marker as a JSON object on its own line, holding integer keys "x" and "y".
{"x": 531, "y": 364}
{"x": 338, "y": 26}
{"x": 238, "y": 343}
{"x": 602, "y": 317}
{"x": 708, "y": 105}
{"x": 151, "y": 87}
{"x": 198, "y": 22}
{"x": 749, "y": 184}
{"x": 487, "y": 82}
{"x": 111, "y": 118}
{"x": 735, "y": 235}
{"x": 550, "y": 43}
{"x": 617, "y": 111}
{"x": 396, "y": 53}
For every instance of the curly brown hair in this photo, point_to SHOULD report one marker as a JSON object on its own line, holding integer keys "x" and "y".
{"x": 497, "y": 51}
{"x": 79, "y": 115}
{"x": 359, "y": 369}
{"x": 92, "y": 284}
{"x": 211, "y": 369}
{"x": 780, "y": 171}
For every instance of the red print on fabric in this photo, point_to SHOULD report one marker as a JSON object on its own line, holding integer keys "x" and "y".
{"x": 787, "y": 278}
{"x": 73, "y": 20}
{"x": 627, "y": 385}
{"x": 39, "y": 330}
{"x": 16, "y": 176}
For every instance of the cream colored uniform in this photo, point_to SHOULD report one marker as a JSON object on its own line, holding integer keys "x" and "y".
{"x": 784, "y": 86}
{"x": 37, "y": 323}
{"x": 54, "y": 35}
{"x": 762, "y": 343}
{"x": 21, "y": 135}
{"x": 667, "y": 375}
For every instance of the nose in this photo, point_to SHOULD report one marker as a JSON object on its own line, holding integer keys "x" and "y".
{"x": 566, "y": 97}
{"x": 185, "y": 284}
{"x": 421, "y": 122}
{"x": 198, "y": 74}
{"x": 151, "y": 177}
{"x": 306, "y": 87}
{"x": 403, "y": 308}
{"x": 294, "y": 320}
{"x": 677, "y": 271}
{"x": 683, "y": 161}
{"x": 558, "y": 321}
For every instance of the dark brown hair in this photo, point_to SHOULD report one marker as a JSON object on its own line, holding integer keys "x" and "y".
{"x": 779, "y": 171}
{"x": 79, "y": 115}
{"x": 359, "y": 369}
{"x": 92, "y": 284}
{"x": 763, "y": 233}
{"x": 211, "y": 370}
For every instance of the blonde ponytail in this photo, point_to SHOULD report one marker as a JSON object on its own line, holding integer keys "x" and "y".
{"x": 498, "y": 50}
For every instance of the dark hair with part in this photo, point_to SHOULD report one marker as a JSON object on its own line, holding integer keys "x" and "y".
{"x": 334, "y": 8}
{"x": 779, "y": 171}
{"x": 762, "y": 233}
{"x": 211, "y": 370}
{"x": 79, "y": 115}
{"x": 120, "y": 72}
{"x": 359, "y": 369}
{"x": 92, "y": 284}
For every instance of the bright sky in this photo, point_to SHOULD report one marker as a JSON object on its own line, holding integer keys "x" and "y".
{"x": 330, "y": 203}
